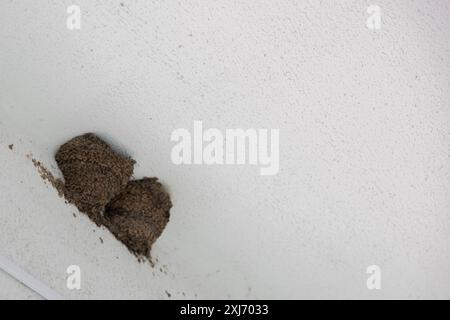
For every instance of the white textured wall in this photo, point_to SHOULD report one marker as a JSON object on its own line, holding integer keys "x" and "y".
{"x": 364, "y": 119}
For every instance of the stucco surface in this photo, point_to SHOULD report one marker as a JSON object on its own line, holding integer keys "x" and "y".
{"x": 364, "y": 120}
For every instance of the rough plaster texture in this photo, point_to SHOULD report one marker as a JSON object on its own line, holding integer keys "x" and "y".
{"x": 364, "y": 125}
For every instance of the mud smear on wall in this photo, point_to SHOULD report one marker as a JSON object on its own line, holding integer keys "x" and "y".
{"x": 45, "y": 174}
{"x": 97, "y": 180}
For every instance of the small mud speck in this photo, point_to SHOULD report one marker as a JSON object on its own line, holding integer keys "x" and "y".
{"x": 101, "y": 240}
{"x": 74, "y": 215}
{"x": 11, "y": 147}
{"x": 168, "y": 294}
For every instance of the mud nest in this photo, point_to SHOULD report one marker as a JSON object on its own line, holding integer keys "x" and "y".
{"x": 97, "y": 182}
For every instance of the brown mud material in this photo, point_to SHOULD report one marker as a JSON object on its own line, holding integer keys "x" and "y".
{"x": 139, "y": 214}
{"x": 11, "y": 147}
{"x": 97, "y": 183}
{"x": 93, "y": 172}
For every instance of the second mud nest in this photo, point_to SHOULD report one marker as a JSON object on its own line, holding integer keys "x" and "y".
{"x": 97, "y": 181}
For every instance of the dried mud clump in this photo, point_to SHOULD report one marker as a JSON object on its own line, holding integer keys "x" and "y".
{"x": 139, "y": 214}
{"x": 93, "y": 173}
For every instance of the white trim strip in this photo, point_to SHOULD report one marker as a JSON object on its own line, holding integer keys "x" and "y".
{"x": 28, "y": 280}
